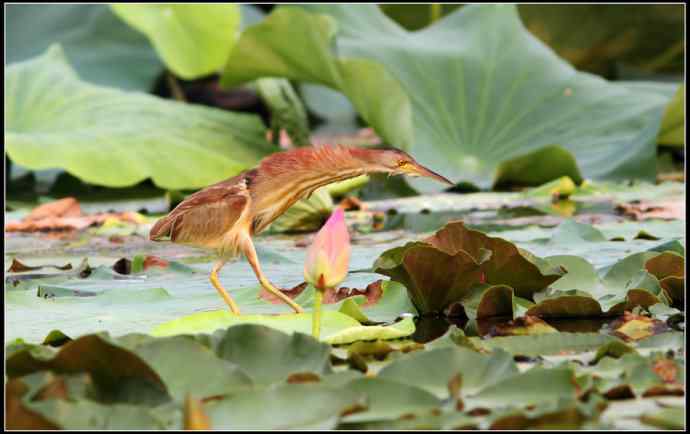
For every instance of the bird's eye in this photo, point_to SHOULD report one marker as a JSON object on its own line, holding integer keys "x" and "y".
{"x": 402, "y": 163}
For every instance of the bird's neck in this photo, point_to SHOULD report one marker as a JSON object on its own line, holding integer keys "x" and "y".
{"x": 285, "y": 178}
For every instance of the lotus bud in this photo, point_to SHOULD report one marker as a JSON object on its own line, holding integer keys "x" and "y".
{"x": 328, "y": 256}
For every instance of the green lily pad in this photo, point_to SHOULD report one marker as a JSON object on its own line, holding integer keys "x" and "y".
{"x": 433, "y": 370}
{"x": 388, "y": 400}
{"x": 269, "y": 356}
{"x": 537, "y": 385}
{"x": 119, "y": 374}
{"x": 187, "y": 366}
{"x": 623, "y": 286}
{"x": 192, "y": 39}
{"x": 393, "y": 303}
{"x": 208, "y": 322}
{"x": 88, "y": 415}
{"x": 546, "y": 343}
{"x": 437, "y": 104}
{"x": 336, "y": 327}
{"x": 292, "y": 406}
{"x": 208, "y": 144}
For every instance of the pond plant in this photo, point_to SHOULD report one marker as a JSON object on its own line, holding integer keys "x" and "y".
{"x": 541, "y": 285}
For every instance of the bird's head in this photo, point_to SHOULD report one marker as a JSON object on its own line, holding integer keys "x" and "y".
{"x": 396, "y": 162}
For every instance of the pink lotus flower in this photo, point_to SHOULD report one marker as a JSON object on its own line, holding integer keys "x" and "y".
{"x": 328, "y": 257}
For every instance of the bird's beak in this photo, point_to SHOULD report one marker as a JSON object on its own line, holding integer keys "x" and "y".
{"x": 417, "y": 169}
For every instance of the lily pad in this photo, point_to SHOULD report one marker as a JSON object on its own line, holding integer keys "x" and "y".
{"x": 208, "y": 144}
{"x": 546, "y": 343}
{"x": 434, "y": 369}
{"x": 387, "y": 400}
{"x": 622, "y": 286}
{"x": 120, "y": 375}
{"x": 292, "y": 406}
{"x": 437, "y": 104}
{"x": 336, "y": 327}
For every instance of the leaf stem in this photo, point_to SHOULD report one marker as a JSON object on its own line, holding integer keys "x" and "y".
{"x": 316, "y": 314}
{"x": 175, "y": 87}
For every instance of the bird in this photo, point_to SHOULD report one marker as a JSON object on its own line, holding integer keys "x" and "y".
{"x": 225, "y": 216}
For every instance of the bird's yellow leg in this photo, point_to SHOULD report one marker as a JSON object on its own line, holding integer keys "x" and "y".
{"x": 250, "y": 254}
{"x": 223, "y": 293}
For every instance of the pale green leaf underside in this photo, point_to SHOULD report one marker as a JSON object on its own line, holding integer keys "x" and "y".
{"x": 115, "y": 138}
{"x": 471, "y": 91}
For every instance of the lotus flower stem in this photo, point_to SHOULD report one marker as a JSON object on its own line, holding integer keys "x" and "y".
{"x": 316, "y": 316}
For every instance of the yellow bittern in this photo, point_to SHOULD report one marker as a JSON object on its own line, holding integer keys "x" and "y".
{"x": 225, "y": 216}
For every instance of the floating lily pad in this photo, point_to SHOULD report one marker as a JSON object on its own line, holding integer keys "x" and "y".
{"x": 336, "y": 327}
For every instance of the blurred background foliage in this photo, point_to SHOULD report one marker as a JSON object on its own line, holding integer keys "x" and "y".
{"x": 615, "y": 41}
{"x": 176, "y": 52}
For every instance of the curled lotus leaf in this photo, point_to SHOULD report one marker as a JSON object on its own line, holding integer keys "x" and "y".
{"x": 669, "y": 268}
{"x": 443, "y": 268}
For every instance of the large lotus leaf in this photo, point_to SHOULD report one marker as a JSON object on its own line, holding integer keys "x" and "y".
{"x": 119, "y": 374}
{"x": 88, "y": 415}
{"x": 102, "y": 48}
{"x": 336, "y": 327}
{"x": 599, "y": 37}
{"x": 110, "y": 137}
{"x": 536, "y": 386}
{"x": 193, "y": 39}
{"x": 187, "y": 366}
{"x": 291, "y": 406}
{"x": 469, "y": 103}
{"x": 269, "y": 355}
{"x": 593, "y": 37}
{"x": 435, "y": 368}
{"x": 638, "y": 373}
{"x": 388, "y": 400}
{"x": 546, "y": 343}
{"x": 446, "y": 266}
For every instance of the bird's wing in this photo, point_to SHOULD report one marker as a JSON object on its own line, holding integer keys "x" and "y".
{"x": 204, "y": 217}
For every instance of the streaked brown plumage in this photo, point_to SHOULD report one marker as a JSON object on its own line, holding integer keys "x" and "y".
{"x": 225, "y": 215}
